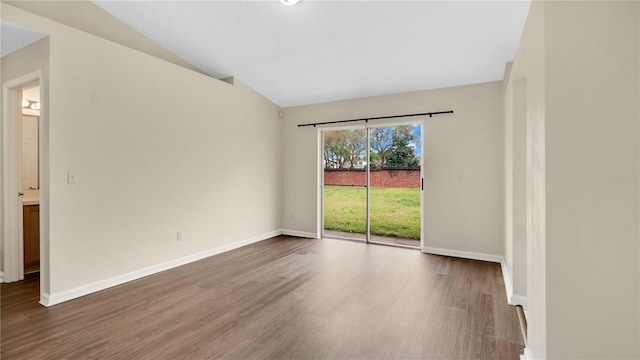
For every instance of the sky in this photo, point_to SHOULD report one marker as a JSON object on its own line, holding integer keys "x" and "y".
{"x": 417, "y": 133}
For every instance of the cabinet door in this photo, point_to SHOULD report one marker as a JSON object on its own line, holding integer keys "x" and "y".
{"x": 31, "y": 219}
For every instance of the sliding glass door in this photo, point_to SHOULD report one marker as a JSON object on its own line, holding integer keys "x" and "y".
{"x": 372, "y": 184}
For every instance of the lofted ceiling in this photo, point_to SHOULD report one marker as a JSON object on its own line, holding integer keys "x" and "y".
{"x": 319, "y": 51}
{"x": 315, "y": 51}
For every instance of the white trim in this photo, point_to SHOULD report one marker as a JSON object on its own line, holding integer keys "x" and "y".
{"x": 11, "y": 165}
{"x": 53, "y": 299}
{"x": 1, "y": 277}
{"x": 320, "y": 183}
{"x": 463, "y": 254}
{"x": 512, "y": 299}
{"x": 506, "y": 277}
{"x": 518, "y": 300}
{"x": 301, "y": 234}
{"x": 44, "y": 299}
{"x": 422, "y": 175}
{"x": 527, "y": 354}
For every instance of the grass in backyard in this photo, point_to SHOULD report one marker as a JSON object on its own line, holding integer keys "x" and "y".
{"x": 395, "y": 212}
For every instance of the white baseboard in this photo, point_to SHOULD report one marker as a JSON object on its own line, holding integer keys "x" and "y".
{"x": 57, "y": 298}
{"x": 527, "y": 354}
{"x": 1, "y": 277}
{"x": 300, "y": 234}
{"x": 463, "y": 254}
{"x": 506, "y": 276}
{"x": 518, "y": 300}
{"x": 512, "y": 299}
{"x": 44, "y": 300}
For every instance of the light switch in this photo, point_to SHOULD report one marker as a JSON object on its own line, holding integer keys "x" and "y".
{"x": 72, "y": 177}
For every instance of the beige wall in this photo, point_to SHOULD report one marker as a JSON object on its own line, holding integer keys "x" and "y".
{"x": 143, "y": 134}
{"x": 458, "y": 215}
{"x": 519, "y": 188}
{"x": 580, "y": 64}
{"x": 528, "y": 71}
{"x": 592, "y": 179}
{"x": 24, "y": 61}
{"x": 157, "y": 149}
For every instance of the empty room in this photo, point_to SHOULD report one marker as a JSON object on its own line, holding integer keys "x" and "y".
{"x": 308, "y": 179}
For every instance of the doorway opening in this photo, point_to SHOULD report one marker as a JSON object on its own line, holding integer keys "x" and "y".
{"x": 30, "y": 178}
{"x": 372, "y": 184}
{"x": 22, "y": 167}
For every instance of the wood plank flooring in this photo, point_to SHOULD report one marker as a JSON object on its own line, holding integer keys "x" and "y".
{"x": 283, "y": 298}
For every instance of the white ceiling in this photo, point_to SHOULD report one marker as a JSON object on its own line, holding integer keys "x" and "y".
{"x": 320, "y": 51}
{"x": 14, "y": 37}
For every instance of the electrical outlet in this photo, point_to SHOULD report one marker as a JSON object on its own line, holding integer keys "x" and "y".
{"x": 179, "y": 236}
{"x": 72, "y": 177}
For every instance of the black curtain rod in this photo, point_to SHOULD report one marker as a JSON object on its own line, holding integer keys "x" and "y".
{"x": 377, "y": 118}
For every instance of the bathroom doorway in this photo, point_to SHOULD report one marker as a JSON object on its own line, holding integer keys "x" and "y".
{"x": 30, "y": 178}
{"x": 22, "y": 167}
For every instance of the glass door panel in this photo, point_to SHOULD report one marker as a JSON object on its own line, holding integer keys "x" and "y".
{"x": 345, "y": 184}
{"x": 395, "y": 185}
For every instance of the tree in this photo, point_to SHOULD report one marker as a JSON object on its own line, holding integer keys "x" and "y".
{"x": 390, "y": 147}
{"x": 380, "y": 140}
{"x": 331, "y": 150}
{"x": 374, "y": 160}
{"x": 355, "y": 144}
{"x": 402, "y": 153}
{"x": 343, "y": 148}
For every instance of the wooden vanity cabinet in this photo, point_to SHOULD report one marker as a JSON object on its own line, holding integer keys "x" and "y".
{"x": 31, "y": 222}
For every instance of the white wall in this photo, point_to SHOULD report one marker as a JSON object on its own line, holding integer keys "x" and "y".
{"x": 459, "y": 215}
{"x": 580, "y": 62}
{"x": 29, "y": 152}
{"x": 157, "y": 149}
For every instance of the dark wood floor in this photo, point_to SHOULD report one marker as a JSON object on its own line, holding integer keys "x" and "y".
{"x": 284, "y": 298}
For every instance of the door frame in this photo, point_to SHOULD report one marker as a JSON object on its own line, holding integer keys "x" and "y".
{"x": 321, "y": 131}
{"x": 13, "y": 244}
{"x": 367, "y": 126}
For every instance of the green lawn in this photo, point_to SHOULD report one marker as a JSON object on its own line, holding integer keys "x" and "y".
{"x": 395, "y": 212}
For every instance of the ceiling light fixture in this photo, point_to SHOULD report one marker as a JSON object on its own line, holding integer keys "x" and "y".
{"x": 289, "y": 2}
{"x": 30, "y": 104}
